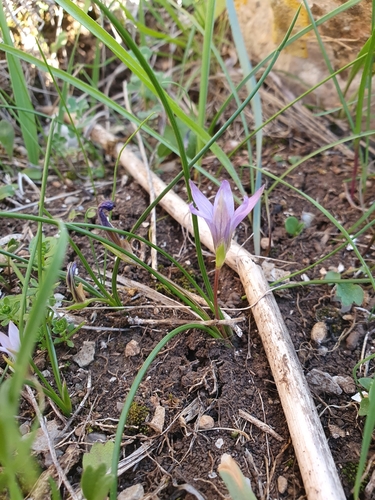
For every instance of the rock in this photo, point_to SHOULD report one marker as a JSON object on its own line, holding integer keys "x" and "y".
{"x": 132, "y": 348}
{"x": 319, "y": 332}
{"x": 265, "y": 23}
{"x": 25, "y": 428}
{"x": 85, "y": 355}
{"x": 157, "y": 422}
{"x": 219, "y": 443}
{"x": 272, "y": 273}
{"x": 71, "y": 200}
{"x": 206, "y": 422}
{"x": 336, "y": 431}
{"x": 265, "y": 243}
{"x": 346, "y": 383}
{"x": 322, "y": 382}
{"x": 96, "y": 437}
{"x": 135, "y": 492}
{"x": 353, "y": 338}
{"x": 40, "y": 443}
{"x": 282, "y": 484}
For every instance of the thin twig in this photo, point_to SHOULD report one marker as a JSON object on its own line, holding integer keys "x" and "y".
{"x": 51, "y": 447}
{"x": 152, "y": 235}
{"x": 168, "y": 321}
{"x": 261, "y": 425}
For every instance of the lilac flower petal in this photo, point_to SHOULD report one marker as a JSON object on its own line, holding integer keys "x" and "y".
{"x": 14, "y": 336}
{"x": 204, "y": 206}
{"x": 224, "y": 199}
{"x": 246, "y": 207}
{"x": 221, "y": 217}
{"x": 5, "y": 342}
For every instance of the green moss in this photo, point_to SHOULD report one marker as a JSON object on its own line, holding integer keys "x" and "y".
{"x": 349, "y": 471}
{"x": 137, "y": 417}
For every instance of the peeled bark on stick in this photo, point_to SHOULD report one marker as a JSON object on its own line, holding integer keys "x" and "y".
{"x": 316, "y": 464}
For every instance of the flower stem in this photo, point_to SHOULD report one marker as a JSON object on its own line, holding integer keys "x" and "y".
{"x": 216, "y": 290}
{"x": 216, "y": 305}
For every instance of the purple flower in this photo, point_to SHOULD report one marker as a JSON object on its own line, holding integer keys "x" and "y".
{"x": 10, "y": 344}
{"x": 114, "y": 237}
{"x": 108, "y": 206}
{"x": 77, "y": 292}
{"x": 221, "y": 217}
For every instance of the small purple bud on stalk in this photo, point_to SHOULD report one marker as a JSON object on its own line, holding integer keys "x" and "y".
{"x": 10, "y": 344}
{"x": 114, "y": 237}
{"x": 77, "y": 292}
{"x": 221, "y": 217}
{"x": 108, "y": 206}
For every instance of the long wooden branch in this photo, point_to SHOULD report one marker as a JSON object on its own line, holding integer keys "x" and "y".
{"x": 316, "y": 464}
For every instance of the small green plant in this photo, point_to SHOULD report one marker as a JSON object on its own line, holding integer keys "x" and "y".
{"x": 346, "y": 293}
{"x": 293, "y": 226}
{"x": 63, "y": 331}
{"x": 364, "y": 404}
{"x": 96, "y": 480}
{"x": 367, "y": 409}
{"x": 237, "y": 484}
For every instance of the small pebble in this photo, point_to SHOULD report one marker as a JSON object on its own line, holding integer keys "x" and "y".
{"x": 25, "y": 428}
{"x": 206, "y": 422}
{"x": 132, "y": 348}
{"x": 40, "y": 443}
{"x": 353, "y": 338}
{"x": 85, "y": 355}
{"x": 219, "y": 443}
{"x": 157, "y": 422}
{"x": 71, "y": 200}
{"x": 346, "y": 383}
{"x": 135, "y": 492}
{"x": 96, "y": 437}
{"x": 319, "y": 332}
{"x": 322, "y": 382}
{"x": 282, "y": 484}
{"x": 336, "y": 431}
{"x": 264, "y": 243}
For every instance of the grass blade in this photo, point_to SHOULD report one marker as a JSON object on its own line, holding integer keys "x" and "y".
{"x": 25, "y": 110}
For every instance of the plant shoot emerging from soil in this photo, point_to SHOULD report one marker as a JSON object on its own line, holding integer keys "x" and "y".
{"x": 222, "y": 221}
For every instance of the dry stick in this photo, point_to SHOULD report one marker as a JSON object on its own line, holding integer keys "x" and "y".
{"x": 317, "y": 467}
{"x": 316, "y": 464}
{"x": 59, "y": 470}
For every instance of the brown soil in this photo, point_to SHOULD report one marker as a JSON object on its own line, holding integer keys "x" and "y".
{"x": 216, "y": 379}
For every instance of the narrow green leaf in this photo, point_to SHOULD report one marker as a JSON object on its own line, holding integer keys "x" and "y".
{"x": 238, "y": 486}
{"x": 7, "y": 137}
{"x": 25, "y": 112}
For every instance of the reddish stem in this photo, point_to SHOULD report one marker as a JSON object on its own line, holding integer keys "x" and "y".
{"x": 216, "y": 305}
{"x": 355, "y": 170}
{"x": 216, "y": 290}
